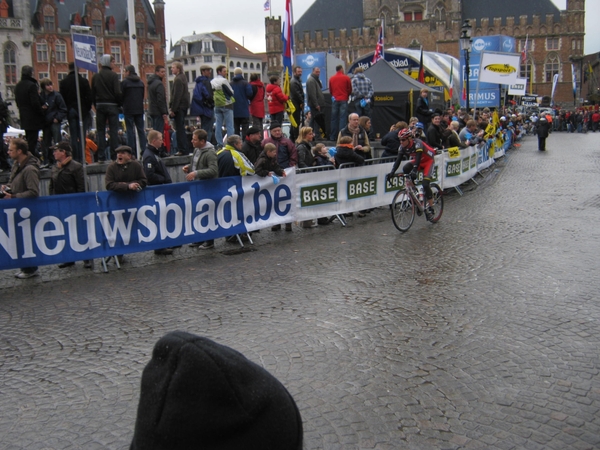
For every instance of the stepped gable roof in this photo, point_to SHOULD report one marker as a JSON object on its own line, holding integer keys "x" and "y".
{"x": 66, "y": 9}
{"x": 324, "y": 15}
{"x": 479, "y": 9}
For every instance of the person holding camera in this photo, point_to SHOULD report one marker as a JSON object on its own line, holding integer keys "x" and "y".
{"x": 24, "y": 182}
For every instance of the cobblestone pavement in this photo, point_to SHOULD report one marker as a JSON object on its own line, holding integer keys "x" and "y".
{"x": 479, "y": 332}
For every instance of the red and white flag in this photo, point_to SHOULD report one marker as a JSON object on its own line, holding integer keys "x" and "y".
{"x": 524, "y": 51}
{"x": 379, "y": 49}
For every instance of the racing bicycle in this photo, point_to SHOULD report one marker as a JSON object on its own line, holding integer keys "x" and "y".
{"x": 410, "y": 200}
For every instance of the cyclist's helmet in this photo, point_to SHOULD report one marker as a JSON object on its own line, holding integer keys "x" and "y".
{"x": 405, "y": 134}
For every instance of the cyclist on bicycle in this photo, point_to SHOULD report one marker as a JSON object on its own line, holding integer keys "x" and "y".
{"x": 420, "y": 158}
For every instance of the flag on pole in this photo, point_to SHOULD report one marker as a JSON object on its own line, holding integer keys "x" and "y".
{"x": 421, "y": 68}
{"x": 268, "y": 5}
{"x": 379, "y": 49}
{"x": 451, "y": 81}
{"x": 574, "y": 84}
{"x": 287, "y": 37}
{"x": 524, "y": 51}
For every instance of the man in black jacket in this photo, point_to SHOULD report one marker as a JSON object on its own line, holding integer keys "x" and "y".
{"x": 178, "y": 107}
{"x": 155, "y": 170}
{"x": 67, "y": 178}
{"x": 133, "y": 107}
{"x": 107, "y": 97}
{"x": 297, "y": 97}
{"x": 157, "y": 99}
{"x": 56, "y": 112}
{"x": 32, "y": 110}
{"x": 68, "y": 90}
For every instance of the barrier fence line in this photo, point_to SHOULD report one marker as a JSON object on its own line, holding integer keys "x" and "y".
{"x": 74, "y": 227}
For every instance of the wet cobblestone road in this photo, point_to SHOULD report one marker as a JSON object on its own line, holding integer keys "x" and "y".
{"x": 479, "y": 332}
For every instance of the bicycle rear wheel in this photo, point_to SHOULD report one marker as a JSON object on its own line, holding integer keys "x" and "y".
{"x": 403, "y": 210}
{"x": 438, "y": 202}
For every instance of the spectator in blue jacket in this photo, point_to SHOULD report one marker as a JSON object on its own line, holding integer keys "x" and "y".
{"x": 203, "y": 102}
{"x": 55, "y": 114}
{"x": 243, "y": 93}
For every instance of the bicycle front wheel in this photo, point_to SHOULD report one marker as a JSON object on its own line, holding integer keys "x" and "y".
{"x": 403, "y": 210}
{"x": 438, "y": 202}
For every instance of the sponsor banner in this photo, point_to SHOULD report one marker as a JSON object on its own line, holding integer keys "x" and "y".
{"x": 460, "y": 165}
{"x": 484, "y": 160}
{"x": 518, "y": 88}
{"x": 64, "y": 228}
{"x": 499, "y": 68}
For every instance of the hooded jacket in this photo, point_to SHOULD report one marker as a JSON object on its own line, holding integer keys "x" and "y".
{"x": 257, "y": 104}
{"x": 277, "y": 99}
{"x": 204, "y": 163}
{"x": 106, "y": 87}
{"x": 25, "y": 178}
{"x": 242, "y": 92}
{"x": 223, "y": 92}
{"x": 157, "y": 97}
{"x": 133, "y": 95}
{"x": 202, "y": 99}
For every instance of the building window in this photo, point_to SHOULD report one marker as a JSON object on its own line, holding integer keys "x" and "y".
{"x": 193, "y": 75}
{"x": 149, "y": 55}
{"x": 60, "y": 49}
{"x": 252, "y": 65}
{"x": 43, "y": 75}
{"x": 208, "y": 59}
{"x": 140, "y": 26}
{"x": 41, "y": 51}
{"x": 551, "y": 43}
{"x": 413, "y": 16}
{"x": 115, "y": 52}
{"x": 61, "y": 76}
{"x": 526, "y": 69}
{"x": 551, "y": 67}
{"x": 206, "y": 46}
{"x": 245, "y": 65}
{"x": 49, "y": 23}
{"x": 10, "y": 65}
{"x": 97, "y": 27}
{"x": 522, "y": 45}
{"x": 187, "y": 76}
{"x": 222, "y": 59}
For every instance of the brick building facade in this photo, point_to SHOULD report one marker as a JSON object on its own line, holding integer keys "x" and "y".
{"x": 555, "y": 38}
{"x": 43, "y": 38}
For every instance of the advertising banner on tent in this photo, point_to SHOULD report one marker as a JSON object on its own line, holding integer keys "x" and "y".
{"x": 499, "y": 68}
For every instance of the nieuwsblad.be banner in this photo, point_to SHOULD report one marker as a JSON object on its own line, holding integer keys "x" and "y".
{"x": 63, "y": 228}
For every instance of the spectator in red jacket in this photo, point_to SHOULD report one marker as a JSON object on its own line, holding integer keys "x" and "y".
{"x": 595, "y": 120}
{"x": 340, "y": 88}
{"x": 257, "y": 105}
{"x": 276, "y": 99}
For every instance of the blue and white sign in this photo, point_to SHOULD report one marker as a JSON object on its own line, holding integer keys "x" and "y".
{"x": 84, "y": 50}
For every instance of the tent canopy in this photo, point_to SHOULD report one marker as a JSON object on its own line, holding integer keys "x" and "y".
{"x": 396, "y": 96}
{"x": 386, "y": 78}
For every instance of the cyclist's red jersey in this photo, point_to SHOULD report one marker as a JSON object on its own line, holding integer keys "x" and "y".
{"x": 421, "y": 154}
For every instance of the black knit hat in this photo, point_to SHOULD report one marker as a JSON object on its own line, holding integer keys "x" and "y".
{"x": 196, "y": 393}
{"x": 274, "y": 125}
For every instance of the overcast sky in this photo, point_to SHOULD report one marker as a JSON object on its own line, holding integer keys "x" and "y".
{"x": 244, "y": 21}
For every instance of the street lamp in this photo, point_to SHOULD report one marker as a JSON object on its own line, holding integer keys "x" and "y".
{"x": 465, "y": 44}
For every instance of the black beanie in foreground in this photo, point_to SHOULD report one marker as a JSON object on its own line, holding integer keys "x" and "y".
{"x": 197, "y": 394}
